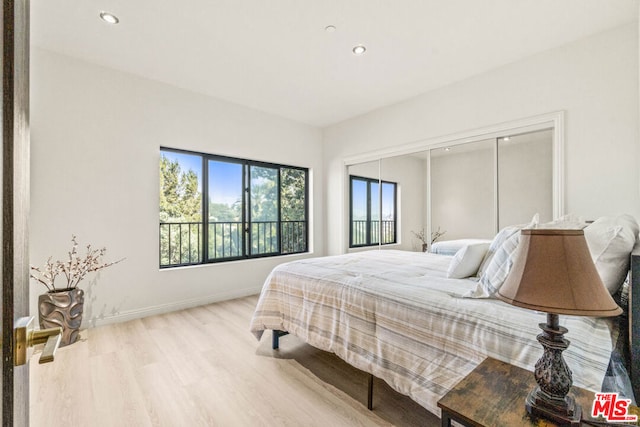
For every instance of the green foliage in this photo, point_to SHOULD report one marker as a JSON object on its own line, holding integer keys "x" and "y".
{"x": 219, "y": 212}
{"x": 264, "y": 194}
{"x": 180, "y": 243}
{"x": 180, "y": 200}
{"x": 225, "y": 240}
{"x": 292, "y": 194}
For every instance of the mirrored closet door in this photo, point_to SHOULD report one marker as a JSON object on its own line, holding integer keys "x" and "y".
{"x": 406, "y": 176}
{"x": 464, "y": 189}
{"x": 525, "y": 178}
{"x": 479, "y": 187}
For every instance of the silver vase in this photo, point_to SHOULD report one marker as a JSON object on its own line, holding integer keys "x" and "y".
{"x": 62, "y": 308}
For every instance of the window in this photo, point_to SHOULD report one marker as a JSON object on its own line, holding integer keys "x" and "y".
{"x": 252, "y": 209}
{"x": 372, "y": 212}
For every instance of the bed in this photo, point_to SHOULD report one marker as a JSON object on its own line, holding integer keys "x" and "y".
{"x": 397, "y": 316}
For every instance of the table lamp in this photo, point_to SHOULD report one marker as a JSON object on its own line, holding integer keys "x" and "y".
{"x": 553, "y": 272}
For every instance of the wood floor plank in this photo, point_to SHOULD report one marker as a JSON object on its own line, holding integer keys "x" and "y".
{"x": 104, "y": 339}
{"x": 188, "y": 364}
{"x": 116, "y": 390}
{"x": 202, "y": 367}
{"x": 62, "y": 390}
{"x": 167, "y": 402}
{"x": 136, "y": 343}
{"x": 224, "y": 404}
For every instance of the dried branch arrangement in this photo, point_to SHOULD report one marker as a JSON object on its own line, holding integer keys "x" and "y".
{"x": 437, "y": 234}
{"x": 74, "y": 269}
{"x": 434, "y": 235}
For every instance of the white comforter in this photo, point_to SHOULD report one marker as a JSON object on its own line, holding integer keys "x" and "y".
{"x": 396, "y": 315}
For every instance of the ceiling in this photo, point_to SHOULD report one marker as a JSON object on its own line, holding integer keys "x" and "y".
{"x": 275, "y": 55}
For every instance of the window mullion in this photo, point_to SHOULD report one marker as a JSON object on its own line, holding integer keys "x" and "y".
{"x": 306, "y": 210}
{"x": 246, "y": 210}
{"x": 395, "y": 213}
{"x": 368, "y": 223}
{"x": 350, "y": 211}
{"x": 279, "y": 196}
{"x": 205, "y": 209}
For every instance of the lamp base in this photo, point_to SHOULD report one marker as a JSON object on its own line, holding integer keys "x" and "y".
{"x": 563, "y": 412}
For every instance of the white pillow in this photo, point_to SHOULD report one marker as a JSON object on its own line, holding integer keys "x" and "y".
{"x": 497, "y": 270}
{"x": 450, "y": 247}
{"x": 566, "y": 222}
{"x": 467, "y": 260}
{"x": 610, "y": 241}
{"x": 502, "y": 236}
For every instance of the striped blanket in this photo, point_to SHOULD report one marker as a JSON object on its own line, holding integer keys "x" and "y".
{"x": 396, "y": 315}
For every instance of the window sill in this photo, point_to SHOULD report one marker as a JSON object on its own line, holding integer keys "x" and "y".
{"x": 284, "y": 258}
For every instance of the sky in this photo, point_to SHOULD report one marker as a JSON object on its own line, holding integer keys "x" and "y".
{"x": 359, "y": 189}
{"x": 225, "y": 182}
{"x": 225, "y": 179}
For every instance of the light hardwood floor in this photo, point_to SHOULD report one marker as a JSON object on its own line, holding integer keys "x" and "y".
{"x": 202, "y": 367}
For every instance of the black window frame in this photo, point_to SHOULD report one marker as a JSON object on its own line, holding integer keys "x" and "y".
{"x": 368, "y": 226}
{"x": 246, "y": 210}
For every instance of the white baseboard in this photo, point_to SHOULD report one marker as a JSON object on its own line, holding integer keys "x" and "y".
{"x": 124, "y": 316}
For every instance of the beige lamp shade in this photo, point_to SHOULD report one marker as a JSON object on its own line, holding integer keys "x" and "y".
{"x": 553, "y": 272}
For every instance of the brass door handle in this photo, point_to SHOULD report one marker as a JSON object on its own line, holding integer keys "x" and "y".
{"x": 25, "y": 337}
{"x": 51, "y": 338}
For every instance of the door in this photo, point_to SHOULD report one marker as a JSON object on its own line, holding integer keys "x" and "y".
{"x": 14, "y": 203}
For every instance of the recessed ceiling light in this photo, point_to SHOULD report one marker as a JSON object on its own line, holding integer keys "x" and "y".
{"x": 447, "y": 149}
{"x": 330, "y": 28}
{"x": 506, "y": 139}
{"x": 359, "y": 50}
{"x": 109, "y": 18}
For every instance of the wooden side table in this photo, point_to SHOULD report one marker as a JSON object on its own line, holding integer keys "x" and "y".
{"x": 494, "y": 393}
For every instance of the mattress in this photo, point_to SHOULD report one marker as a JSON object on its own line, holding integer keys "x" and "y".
{"x": 395, "y": 314}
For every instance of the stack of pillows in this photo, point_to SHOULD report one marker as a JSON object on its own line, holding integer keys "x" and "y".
{"x": 610, "y": 240}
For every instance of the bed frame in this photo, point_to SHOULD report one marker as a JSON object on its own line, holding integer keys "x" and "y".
{"x": 632, "y": 343}
{"x": 634, "y": 321}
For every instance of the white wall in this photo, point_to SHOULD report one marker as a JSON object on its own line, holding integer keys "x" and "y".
{"x": 96, "y": 135}
{"x": 595, "y": 80}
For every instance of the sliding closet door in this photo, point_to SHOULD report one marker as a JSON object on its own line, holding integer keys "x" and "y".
{"x": 404, "y": 193}
{"x": 525, "y": 175}
{"x": 463, "y": 196}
